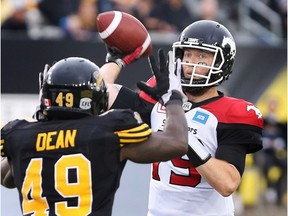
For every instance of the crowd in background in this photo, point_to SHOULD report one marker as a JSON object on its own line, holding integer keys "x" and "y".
{"x": 272, "y": 160}
{"x": 77, "y": 18}
{"x": 265, "y": 178}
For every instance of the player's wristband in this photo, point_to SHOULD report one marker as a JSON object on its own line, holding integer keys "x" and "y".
{"x": 197, "y": 153}
{"x": 120, "y": 63}
{"x": 115, "y": 59}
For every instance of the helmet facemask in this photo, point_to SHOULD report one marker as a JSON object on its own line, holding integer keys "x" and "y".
{"x": 208, "y": 36}
{"x": 214, "y": 72}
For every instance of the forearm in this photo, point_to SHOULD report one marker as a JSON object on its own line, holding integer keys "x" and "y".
{"x": 176, "y": 122}
{"x": 110, "y": 72}
{"x": 162, "y": 146}
{"x": 222, "y": 176}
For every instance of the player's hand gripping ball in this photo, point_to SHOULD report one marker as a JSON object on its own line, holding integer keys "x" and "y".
{"x": 123, "y": 31}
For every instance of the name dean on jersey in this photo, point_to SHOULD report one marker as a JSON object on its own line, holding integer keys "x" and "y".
{"x": 55, "y": 140}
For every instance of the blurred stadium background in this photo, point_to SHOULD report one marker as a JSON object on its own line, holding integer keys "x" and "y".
{"x": 36, "y": 32}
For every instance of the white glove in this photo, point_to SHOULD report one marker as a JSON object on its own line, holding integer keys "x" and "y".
{"x": 174, "y": 81}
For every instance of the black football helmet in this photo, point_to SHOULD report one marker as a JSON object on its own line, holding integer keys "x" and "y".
{"x": 72, "y": 88}
{"x": 212, "y": 37}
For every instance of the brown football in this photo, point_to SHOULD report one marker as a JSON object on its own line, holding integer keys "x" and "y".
{"x": 123, "y": 31}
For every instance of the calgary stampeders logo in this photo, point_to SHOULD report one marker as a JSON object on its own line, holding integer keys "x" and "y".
{"x": 257, "y": 111}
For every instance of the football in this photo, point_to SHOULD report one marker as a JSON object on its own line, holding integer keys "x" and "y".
{"x": 124, "y": 32}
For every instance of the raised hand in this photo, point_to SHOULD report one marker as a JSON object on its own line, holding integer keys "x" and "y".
{"x": 120, "y": 58}
{"x": 167, "y": 79}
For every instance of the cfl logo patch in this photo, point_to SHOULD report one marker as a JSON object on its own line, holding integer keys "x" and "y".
{"x": 187, "y": 106}
{"x": 85, "y": 103}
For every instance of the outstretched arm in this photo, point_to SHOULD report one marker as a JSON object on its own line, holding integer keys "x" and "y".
{"x": 115, "y": 62}
{"x": 162, "y": 146}
{"x": 173, "y": 141}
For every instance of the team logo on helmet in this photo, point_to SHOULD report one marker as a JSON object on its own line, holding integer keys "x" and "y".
{"x": 194, "y": 40}
{"x": 227, "y": 41}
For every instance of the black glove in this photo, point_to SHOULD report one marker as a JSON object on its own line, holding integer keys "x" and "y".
{"x": 122, "y": 60}
{"x": 161, "y": 74}
{"x": 168, "y": 83}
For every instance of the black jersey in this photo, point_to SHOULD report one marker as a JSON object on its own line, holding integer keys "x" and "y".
{"x": 128, "y": 99}
{"x": 70, "y": 167}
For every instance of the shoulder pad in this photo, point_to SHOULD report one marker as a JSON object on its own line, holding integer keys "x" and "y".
{"x": 238, "y": 111}
{"x": 10, "y": 125}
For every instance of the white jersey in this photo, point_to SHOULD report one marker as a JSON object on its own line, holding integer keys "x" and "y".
{"x": 176, "y": 188}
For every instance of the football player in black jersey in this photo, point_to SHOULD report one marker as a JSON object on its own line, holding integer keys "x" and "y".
{"x": 71, "y": 160}
{"x": 222, "y": 130}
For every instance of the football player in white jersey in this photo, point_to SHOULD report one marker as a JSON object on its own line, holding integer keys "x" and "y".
{"x": 222, "y": 130}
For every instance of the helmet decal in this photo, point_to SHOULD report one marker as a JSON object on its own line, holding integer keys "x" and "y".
{"x": 194, "y": 40}
{"x": 228, "y": 41}
{"x": 85, "y": 103}
{"x": 99, "y": 80}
